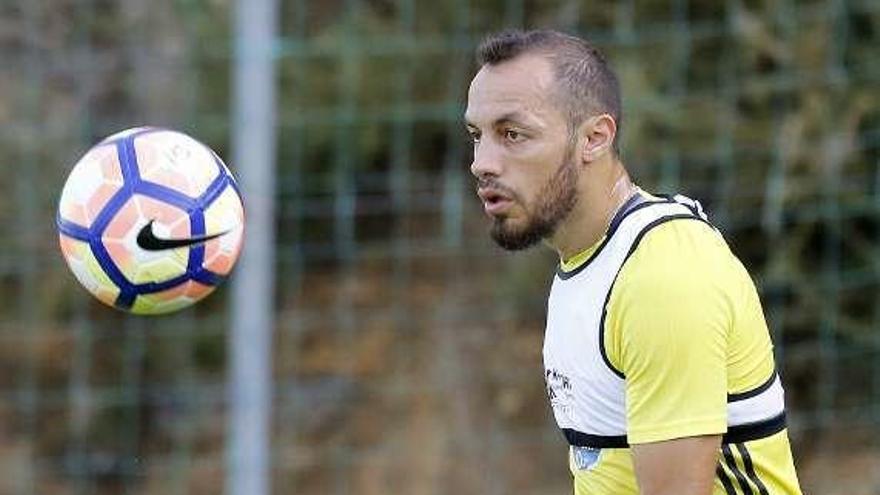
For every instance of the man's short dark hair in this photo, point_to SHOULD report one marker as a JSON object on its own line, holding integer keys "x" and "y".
{"x": 587, "y": 84}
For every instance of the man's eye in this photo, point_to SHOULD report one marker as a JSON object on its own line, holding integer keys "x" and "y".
{"x": 513, "y": 136}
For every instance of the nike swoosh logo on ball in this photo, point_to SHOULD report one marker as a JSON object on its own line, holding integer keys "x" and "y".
{"x": 148, "y": 241}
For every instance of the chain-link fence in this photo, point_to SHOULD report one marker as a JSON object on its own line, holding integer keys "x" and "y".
{"x": 407, "y": 348}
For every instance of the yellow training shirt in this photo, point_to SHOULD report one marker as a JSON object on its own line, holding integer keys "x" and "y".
{"x": 684, "y": 348}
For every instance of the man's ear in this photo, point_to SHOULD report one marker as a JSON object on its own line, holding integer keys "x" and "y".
{"x": 597, "y": 135}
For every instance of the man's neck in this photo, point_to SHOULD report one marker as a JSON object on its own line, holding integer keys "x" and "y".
{"x": 601, "y": 196}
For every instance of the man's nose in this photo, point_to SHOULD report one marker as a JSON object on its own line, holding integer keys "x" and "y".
{"x": 486, "y": 162}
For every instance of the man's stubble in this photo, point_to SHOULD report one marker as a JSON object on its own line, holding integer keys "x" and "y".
{"x": 553, "y": 203}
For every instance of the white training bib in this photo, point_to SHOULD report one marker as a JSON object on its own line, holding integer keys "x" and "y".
{"x": 586, "y": 393}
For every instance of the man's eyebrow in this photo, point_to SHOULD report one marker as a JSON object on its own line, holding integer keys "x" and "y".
{"x": 507, "y": 118}
{"x": 510, "y": 117}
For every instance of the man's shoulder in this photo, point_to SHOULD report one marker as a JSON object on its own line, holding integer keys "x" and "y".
{"x": 681, "y": 243}
{"x": 683, "y": 260}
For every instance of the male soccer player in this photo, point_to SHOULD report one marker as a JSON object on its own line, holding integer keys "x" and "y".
{"x": 658, "y": 362}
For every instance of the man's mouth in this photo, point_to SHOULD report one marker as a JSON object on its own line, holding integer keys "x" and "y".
{"x": 495, "y": 202}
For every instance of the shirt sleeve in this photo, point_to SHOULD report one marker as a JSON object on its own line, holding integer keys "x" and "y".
{"x": 667, "y": 330}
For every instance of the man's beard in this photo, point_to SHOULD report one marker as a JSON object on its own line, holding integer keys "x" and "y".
{"x": 552, "y": 205}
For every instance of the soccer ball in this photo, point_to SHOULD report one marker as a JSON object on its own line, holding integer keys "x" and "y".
{"x": 150, "y": 220}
